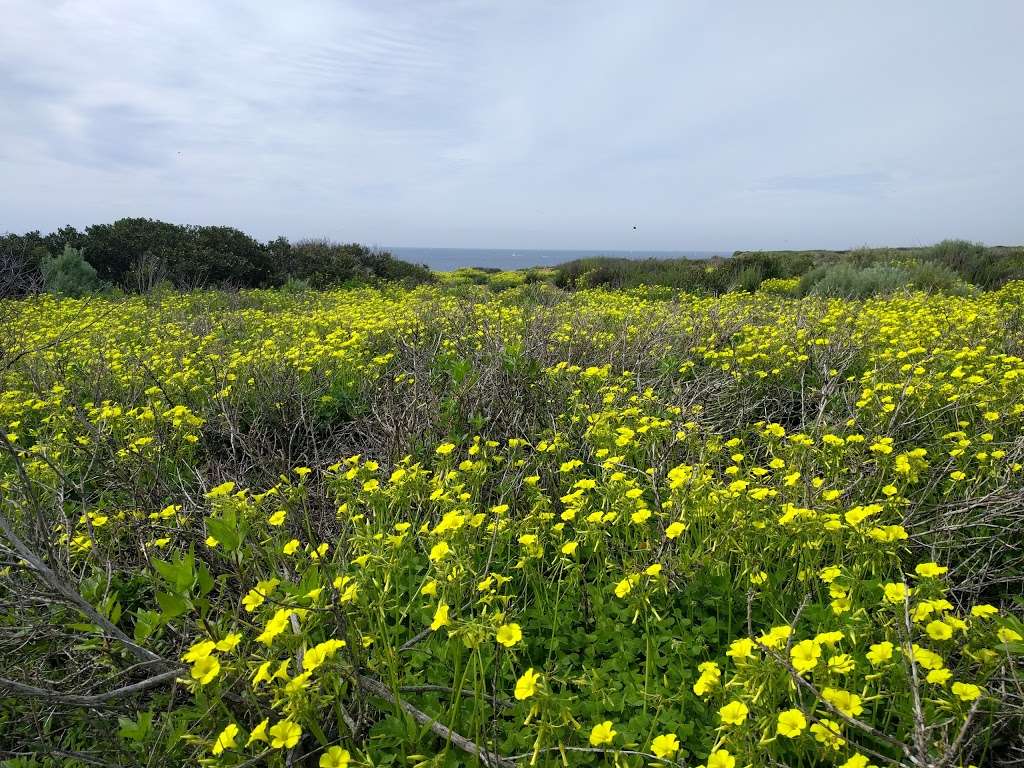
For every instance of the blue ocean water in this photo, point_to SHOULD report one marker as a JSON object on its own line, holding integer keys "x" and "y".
{"x": 447, "y": 259}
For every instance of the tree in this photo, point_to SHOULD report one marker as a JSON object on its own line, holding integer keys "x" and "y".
{"x": 69, "y": 274}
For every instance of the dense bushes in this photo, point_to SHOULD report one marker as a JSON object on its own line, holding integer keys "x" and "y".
{"x": 950, "y": 267}
{"x": 138, "y": 254}
{"x": 848, "y": 281}
{"x": 322, "y": 264}
{"x": 978, "y": 264}
{"x": 743, "y": 272}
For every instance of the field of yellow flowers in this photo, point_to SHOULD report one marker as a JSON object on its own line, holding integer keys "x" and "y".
{"x": 437, "y": 527}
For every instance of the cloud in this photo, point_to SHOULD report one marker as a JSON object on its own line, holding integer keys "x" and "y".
{"x": 528, "y": 124}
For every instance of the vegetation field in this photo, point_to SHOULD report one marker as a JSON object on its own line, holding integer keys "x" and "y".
{"x": 448, "y": 525}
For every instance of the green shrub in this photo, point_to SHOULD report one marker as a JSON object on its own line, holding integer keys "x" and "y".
{"x": 936, "y": 278}
{"x": 295, "y": 285}
{"x": 780, "y": 286}
{"x": 748, "y": 279}
{"x": 502, "y": 281}
{"x": 69, "y": 274}
{"x": 325, "y": 264}
{"x": 986, "y": 267}
{"x": 847, "y": 281}
{"x": 468, "y": 276}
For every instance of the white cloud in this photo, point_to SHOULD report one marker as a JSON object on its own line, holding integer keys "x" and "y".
{"x": 705, "y": 125}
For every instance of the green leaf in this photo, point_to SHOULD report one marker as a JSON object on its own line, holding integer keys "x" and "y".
{"x": 224, "y": 532}
{"x": 171, "y": 605}
{"x": 145, "y": 623}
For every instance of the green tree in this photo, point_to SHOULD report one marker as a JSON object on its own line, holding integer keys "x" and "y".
{"x": 69, "y": 274}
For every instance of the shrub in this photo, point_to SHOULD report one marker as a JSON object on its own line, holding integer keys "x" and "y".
{"x": 936, "y": 278}
{"x": 69, "y": 274}
{"x": 502, "y": 281}
{"x": 295, "y": 285}
{"x": 748, "y": 279}
{"x": 986, "y": 267}
{"x": 468, "y": 276}
{"x": 325, "y": 264}
{"x": 780, "y": 286}
{"x": 847, "y": 281}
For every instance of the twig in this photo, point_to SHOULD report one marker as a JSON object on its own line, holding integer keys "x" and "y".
{"x": 488, "y": 758}
{"x": 89, "y": 700}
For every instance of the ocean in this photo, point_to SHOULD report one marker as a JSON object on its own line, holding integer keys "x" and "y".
{"x": 447, "y": 259}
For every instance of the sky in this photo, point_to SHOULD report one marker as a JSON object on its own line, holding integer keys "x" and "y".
{"x": 618, "y": 125}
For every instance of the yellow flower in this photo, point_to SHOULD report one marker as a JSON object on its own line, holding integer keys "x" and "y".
{"x": 776, "y": 637}
{"x": 221, "y": 490}
{"x": 856, "y": 761}
{"x": 335, "y": 757}
{"x": 880, "y": 652}
{"x": 721, "y": 758}
{"x": 569, "y": 548}
{"x": 733, "y": 713}
{"x": 205, "y": 669}
{"x": 526, "y": 685}
{"x": 939, "y": 630}
{"x": 1007, "y": 635}
{"x": 259, "y": 733}
{"x": 290, "y": 547}
{"x": 828, "y": 638}
{"x": 640, "y": 516}
{"x": 252, "y": 600}
{"x": 199, "y": 650}
{"x": 623, "y": 588}
{"x": 285, "y": 734}
{"x": 262, "y": 674}
{"x": 439, "y": 551}
{"x": 298, "y": 683}
{"x": 741, "y": 649}
{"x": 827, "y": 732}
{"x": 895, "y": 593}
{"x": 675, "y": 530}
{"x": 966, "y": 691}
{"x": 440, "y": 617}
{"x": 277, "y": 518}
{"x": 791, "y": 723}
{"x": 983, "y": 611}
{"x": 602, "y": 733}
{"x": 226, "y": 739}
{"x": 275, "y": 626}
{"x": 229, "y": 642}
{"x": 665, "y": 746}
{"x": 847, "y": 703}
{"x": 320, "y": 653}
{"x": 804, "y": 655}
{"x": 444, "y": 449}
{"x": 926, "y": 658}
{"x": 939, "y": 676}
{"x": 840, "y": 663}
{"x": 830, "y": 574}
{"x": 509, "y": 634}
{"x": 930, "y": 570}
{"x": 653, "y": 570}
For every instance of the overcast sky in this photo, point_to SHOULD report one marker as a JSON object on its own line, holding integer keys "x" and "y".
{"x": 704, "y": 125}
